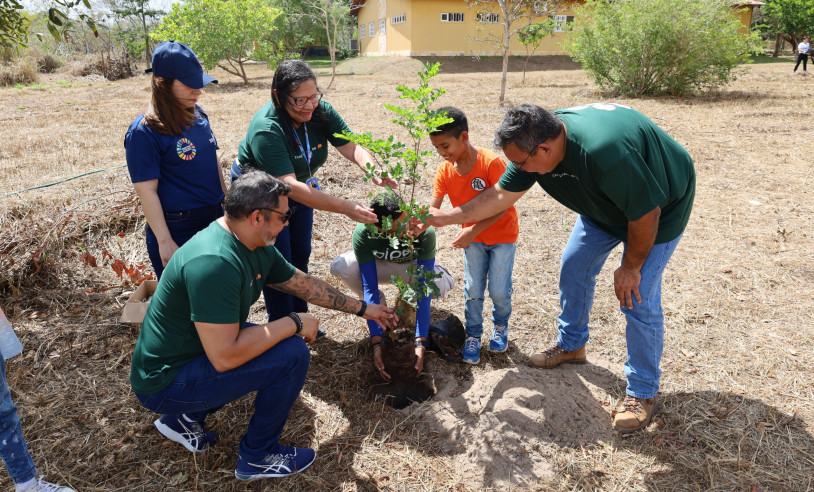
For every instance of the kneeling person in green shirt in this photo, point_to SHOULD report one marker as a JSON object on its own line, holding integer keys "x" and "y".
{"x": 196, "y": 353}
{"x": 373, "y": 260}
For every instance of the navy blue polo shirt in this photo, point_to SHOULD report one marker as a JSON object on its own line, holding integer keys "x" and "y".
{"x": 185, "y": 165}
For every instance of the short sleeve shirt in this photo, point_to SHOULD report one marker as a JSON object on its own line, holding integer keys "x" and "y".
{"x": 213, "y": 278}
{"x": 266, "y": 146}
{"x": 186, "y": 165}
{"x": 486, "y": 173}
{"x": 366, "y": 248}
{"x": 618, "y": 166}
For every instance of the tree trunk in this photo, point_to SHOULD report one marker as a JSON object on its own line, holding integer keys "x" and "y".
{"x": 505, "y": 63}
{"x": 778, "y": 44}
{"x": 146, "y": 40}
{"x": 330, "y": 42}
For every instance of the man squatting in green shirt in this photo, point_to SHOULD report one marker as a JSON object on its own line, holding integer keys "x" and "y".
{"x": 630, "y": 183}
{"x": 196, "y": 353}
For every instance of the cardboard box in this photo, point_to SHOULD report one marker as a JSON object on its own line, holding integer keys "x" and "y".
{"x": 136, "y": 307}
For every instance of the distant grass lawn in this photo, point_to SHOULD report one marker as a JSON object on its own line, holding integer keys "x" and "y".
{"x": 759, "y": 59}
{"x": 319, "y": 61}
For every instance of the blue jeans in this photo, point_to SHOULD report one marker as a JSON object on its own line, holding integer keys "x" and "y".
{"x": 182, "y": 225}
{"x": 13, "y": 448}
{"x": 496, "y": 263}
{"x": 277, "y": 375}
{"x": 294, "y": 243}
{"x": 583, "y": 258}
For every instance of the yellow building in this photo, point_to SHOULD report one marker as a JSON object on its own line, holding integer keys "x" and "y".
{"x": 451, "y": 28}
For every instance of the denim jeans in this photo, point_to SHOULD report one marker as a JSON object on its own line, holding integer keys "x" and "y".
{"x": 496, "y": 263}
{"x": 583, "y": 258}
{"x": 182, "y": 226}
{"x": 277, "y": 375}
{"x": 13, "y": 448}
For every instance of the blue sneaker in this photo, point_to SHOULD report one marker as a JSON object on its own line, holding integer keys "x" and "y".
{"x": 500, "y": 339}
{"x": 471, "y": 350}
{"x": 189, "y": 433}
{"x": 282, "y": 461}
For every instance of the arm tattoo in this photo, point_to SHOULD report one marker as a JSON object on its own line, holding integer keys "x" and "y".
{"x": 317, "y": 291}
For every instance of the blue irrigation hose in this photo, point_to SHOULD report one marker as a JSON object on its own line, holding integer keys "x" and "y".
{"x": 63, "y": 180}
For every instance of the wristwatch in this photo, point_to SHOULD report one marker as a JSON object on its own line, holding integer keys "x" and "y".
{"x": 420, "y": 343}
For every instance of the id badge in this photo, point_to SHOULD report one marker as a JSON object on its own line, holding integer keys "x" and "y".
{"x": 313, "y": 183}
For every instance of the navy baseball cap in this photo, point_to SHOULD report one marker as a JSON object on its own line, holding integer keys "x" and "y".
{"x": 174, "y": 60}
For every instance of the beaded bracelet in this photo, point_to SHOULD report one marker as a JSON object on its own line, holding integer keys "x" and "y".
{"x": 297, "y": 321}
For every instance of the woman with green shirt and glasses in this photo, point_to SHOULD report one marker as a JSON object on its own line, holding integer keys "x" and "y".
{"x": 288, "y": 138}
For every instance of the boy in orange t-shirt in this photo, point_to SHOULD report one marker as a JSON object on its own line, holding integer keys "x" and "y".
{"x": 488, "y": 245}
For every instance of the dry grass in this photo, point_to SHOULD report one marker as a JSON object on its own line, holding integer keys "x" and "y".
{"x": 738, "y": 403}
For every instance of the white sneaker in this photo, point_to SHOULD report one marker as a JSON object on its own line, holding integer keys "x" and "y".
{"x": 42, "y": 486}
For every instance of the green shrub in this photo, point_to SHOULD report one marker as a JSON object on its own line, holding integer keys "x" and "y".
{"x": 652, "y": 47}
{"x": 19, "y": 71}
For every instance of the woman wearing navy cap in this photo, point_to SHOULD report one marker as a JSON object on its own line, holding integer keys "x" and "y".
{"x": 172, "y": 155}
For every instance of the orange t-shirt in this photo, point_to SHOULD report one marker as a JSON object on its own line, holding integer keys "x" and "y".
{"x": 486, "y": 173}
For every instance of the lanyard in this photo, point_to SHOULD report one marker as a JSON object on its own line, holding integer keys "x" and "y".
{"x": 306, "y": 153}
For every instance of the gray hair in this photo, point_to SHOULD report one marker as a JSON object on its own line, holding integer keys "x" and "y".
{"x": 254, "y": 190}
{"x": 527, "y": 126}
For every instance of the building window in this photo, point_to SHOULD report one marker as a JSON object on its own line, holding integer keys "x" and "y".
{"x": 362, "y": 30}
{"x": 371, "y": 30}
{"x": 488, "y": 17}
{"x": 561, "y": 21}
{"x": 398, "y": 19}
{"x": 452, "y": 17}
{"x": 382, "y": 23}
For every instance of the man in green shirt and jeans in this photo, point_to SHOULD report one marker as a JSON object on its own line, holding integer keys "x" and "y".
{"x": 630, "y": 183}
{"x": 196, "y": 353}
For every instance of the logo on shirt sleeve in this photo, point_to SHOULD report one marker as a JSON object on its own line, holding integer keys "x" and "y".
{"x": 185, "y": 149}
{"x": 478, "y": 184}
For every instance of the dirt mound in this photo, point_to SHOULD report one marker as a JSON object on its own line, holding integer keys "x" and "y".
{"x": 503, "y": 426}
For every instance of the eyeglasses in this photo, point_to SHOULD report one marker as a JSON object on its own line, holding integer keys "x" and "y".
{"x": 299, "y": 102}
{"x": 286, "y": 215}
{"x": 521, "y": 164}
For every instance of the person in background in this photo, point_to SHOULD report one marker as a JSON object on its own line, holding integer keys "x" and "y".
{"x": 172, "y": 155}
{"x": 196, "y": 352}
{"x": 288, "y": 138}
{"x": 488, "y": 245}
{"x": 802, "y": 53}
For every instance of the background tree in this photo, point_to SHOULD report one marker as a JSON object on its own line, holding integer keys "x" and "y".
{"x": 790, "y": 20}
{"x": 532, "y": 35}
{"x": 14, "y": 22}
{"x": 332, "y": 15}
{"x": 144, "y": 16}
{"x": 511, "y": 15}
{"x": 638, "y": 47}
{"x": 223, "y": 34}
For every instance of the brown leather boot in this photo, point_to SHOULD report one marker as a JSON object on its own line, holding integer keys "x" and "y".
{"x": 556, "y": 355}
{"x": 633, "y": 414}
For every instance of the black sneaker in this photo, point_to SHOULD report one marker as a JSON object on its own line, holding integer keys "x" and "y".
{"x": 281, "y": 462}
{"x": 189, "y": 433}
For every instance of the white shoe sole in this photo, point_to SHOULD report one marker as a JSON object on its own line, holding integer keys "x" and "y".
{"x": 170, "y": 434}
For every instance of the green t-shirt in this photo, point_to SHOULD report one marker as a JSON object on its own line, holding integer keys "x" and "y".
{"x": 618, "y": 166}
{"x": 213, "y": 278}
{"x": 267, "y": 148}
{"x": 366, "y": 248}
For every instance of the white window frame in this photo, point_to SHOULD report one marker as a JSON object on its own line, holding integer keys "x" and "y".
{"x": 452, "y": 16}
{"x": 382, "y": 24}
{"x": 362, "y": 31}
{"x": 371, "y": 29}
{"x": 488, "y": 17}
{"x": 398, "y": 19}
{"x": 562, "y": 22}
